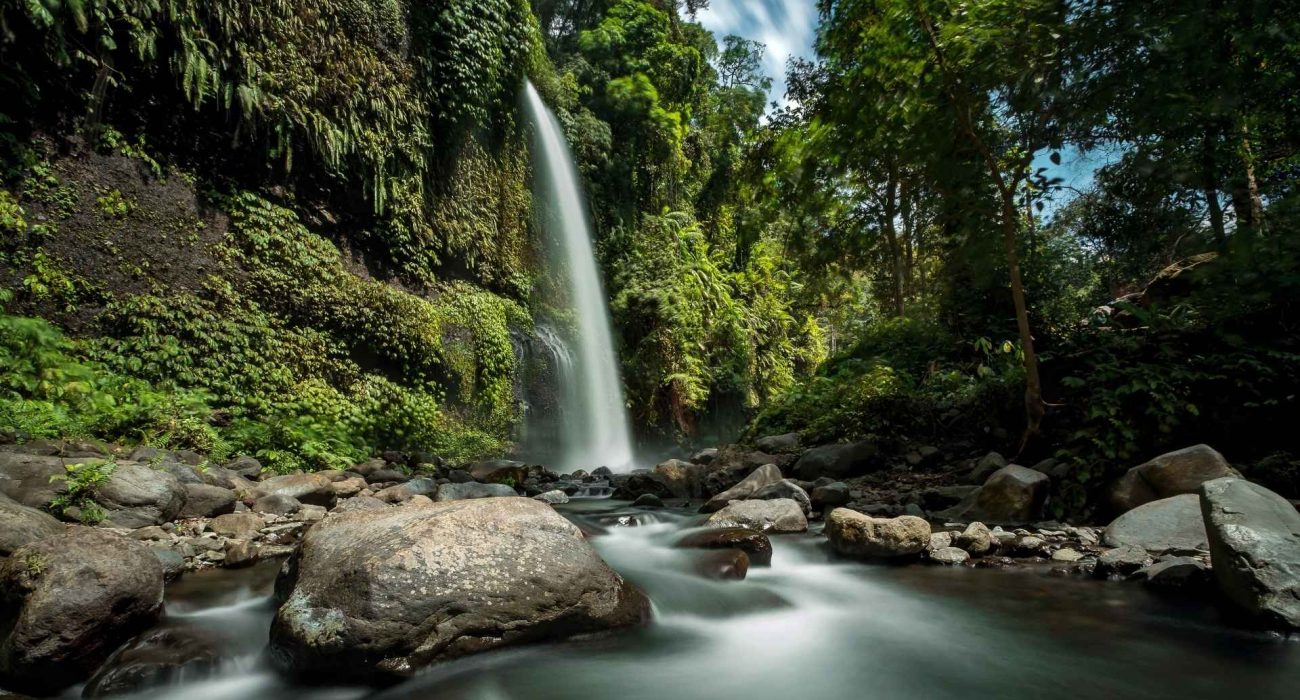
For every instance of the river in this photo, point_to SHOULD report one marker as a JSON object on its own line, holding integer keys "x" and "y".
{"x": 807, "y": 627}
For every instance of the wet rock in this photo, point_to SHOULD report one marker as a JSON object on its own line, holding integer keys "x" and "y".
{"x": 1173, "y": 474}
{"x": 1159, "y": 526}
{"x": 785, "y": 488}
{"x": 158, "y": 658}
{"x": 648, "y": 500}
{"x": 864, "y": 537}
{"x": 554, "y": 498}
{"x": 1175, "y": 572}
{"x": 976, "y": 539}
{"x": 238, "y": 526}
{"x": 473, "y": 490}
{"x": 752, "y": 542}
{"x": 838, "y": 461}
{"x": 239, "y": 554}
{"x": 68, "y": 602}
{"x": 277, "y": 504}
{"x": 20, "y": 525}
{"x": 1255, "y": 548}
{"x": 136, "y": 496}
{"x": 496, "y": 572}
{"x": 173, "y": 564}
{"x": 683, "y": 479}
{"x": 638, "y": 484}
{"x": 1028, "y": 545}
{"x": 401, "y": 493}
{"x": 777, "y": 444}
{"x": 726, "y": 564}
{"x": 779, "y": 515}
{"x": 832, "y": 495}
{"x": 204, "y": 501}
{"x": 949, "y": 556}
{"x": 764, "y": 476}
{"x": 1122, "y": 561}
{"x": 316, "y": 489}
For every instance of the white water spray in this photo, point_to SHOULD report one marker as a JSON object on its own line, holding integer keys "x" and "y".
{"x": 595, "y": 422}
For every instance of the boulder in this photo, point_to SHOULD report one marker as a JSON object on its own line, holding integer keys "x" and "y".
{"x": 861, "y": 536}
{"x": 277, "y": 504}
{"x": 227, "y": 479}
{"x": 247, "y": 467}
{"x": 401, "y": 493}
{"x": 500, "y": 471}
{"x": 20, "y": 525}
{"x": 348, "y": 487}
{"x": 751, "y": 542}
{"x": 387, "y": 475}
{"x": 939, "y": 540}
{"x": 723, "y": 564}
{"x": 1172, "y": 474}
{"x": 362, "y": 502}
{"x": 683, "y": 479}
{"x": 705, "y": 456}
{"x": 985, "y": 467}
{"x": 638, "y": 484}
{"x": 472, "y": 490}
{"x": 384, "y": 593}
{"x": 1159, "y": 526}
{"x": 173, "y": 564}
{"x": 949, "y": 556}
{"x": 838, "y": 461}
{"x": 554, "y": 498}
{"x": 832, "y": 495}
{"x": 30, "y": 479}
{"x": 1175, "y": 572}
{"x": 1012, "y": 495}
{"x": 316, "y": 489}
{"x": 240, "y": 553}
{"x": 68, "y": 602}
{"x": 785, "y": 488}
{"x": 777, "y": 444}
{"x": 1122, "y": 561}
{"x": 237, "y": 526}
{"x": 1255, "y": 549}
{"x": 158, "y": 658}
{"x": 648, "y": 500}
{"x": 136, "y": 496}
{"x": 779, "y": 515}
{"x": 976, "y": 539}
{"x": 205, "y": 501}
{"x": 764, "y": 476}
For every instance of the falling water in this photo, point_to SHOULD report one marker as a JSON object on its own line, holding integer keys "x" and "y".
{"x": 595, "y": 427}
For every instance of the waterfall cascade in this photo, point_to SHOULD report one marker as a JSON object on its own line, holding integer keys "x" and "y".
{"x": 594, "y": 427}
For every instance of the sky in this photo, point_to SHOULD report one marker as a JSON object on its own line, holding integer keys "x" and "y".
{"x": 786, "y": 27}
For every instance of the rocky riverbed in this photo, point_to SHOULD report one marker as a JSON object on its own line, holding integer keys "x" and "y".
{"x": 401, "y": 564}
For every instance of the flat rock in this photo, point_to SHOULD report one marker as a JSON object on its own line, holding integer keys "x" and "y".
{"x": 1255, "y": 548}
{"x": 1169, "y": 524}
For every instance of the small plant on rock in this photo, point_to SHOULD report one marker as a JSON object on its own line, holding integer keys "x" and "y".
{"x": 84, "y": 481}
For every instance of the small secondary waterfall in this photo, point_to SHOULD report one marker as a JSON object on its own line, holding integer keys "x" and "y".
{"x": 595, "y": 425}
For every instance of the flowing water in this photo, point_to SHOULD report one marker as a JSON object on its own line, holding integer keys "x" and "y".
{"x": 807, "y": 627}
{"x": 595, "y": 429}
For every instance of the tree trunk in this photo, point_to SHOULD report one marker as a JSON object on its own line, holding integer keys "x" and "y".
{"x": 895, "y": 249}
{"x": 1210, "y": 185}
{"x": 1034, "y": 407}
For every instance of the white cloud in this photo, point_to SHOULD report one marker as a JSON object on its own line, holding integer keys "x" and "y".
{"x": 786, "y": 27}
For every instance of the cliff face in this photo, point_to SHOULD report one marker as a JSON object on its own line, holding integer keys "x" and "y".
{"x": 312, "y": 218}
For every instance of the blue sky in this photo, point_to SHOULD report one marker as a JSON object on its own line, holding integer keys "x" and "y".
{"x": 786, "y": 27}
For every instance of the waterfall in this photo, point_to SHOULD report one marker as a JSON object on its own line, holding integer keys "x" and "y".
{"x": 594, "y": 428}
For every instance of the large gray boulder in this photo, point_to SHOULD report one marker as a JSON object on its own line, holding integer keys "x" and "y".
{"x": 683, "y": 479}
{"x": 472, "y": 490}
{"x": 314, "y": 489}
{"x": 1254, "y": 549}
{"x": 138, "y": 496}
{"x": 206, "y": 501}
{"x": 778, "y": 516}
{"x": 838, "y": 461}
{"x": 29, "y": 479}
{"x": 764, "y": 476}
{"x": 785, "y": 489}
{"x": 1012, "y": 495}
{"x": 1172, "y": 474}
{"x": 20, "y": 525}
{"x": 68, "y": 601}
{"x": 1169, "y": 524}
{"x": 777, "y": 444}
{"x": 853, "y": 534}
{"x": 385, "y": 593}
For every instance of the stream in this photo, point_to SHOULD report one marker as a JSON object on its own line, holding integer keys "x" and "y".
{"x": 808, "y": 626}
